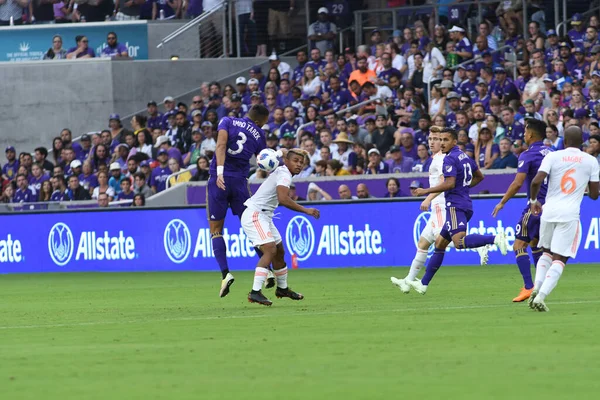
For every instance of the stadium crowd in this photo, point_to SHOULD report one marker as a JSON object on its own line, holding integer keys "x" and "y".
{"x": 394, "y": 88}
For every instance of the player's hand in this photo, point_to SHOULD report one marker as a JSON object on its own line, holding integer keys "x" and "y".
{"x": 497, "y": 209}
{"x": 420, "y": 192}
{"x": 536, "y": 208}
{"x": 425, "y": 205}
{"x": 221, "y": 182}
{"x": 313, "y": 212}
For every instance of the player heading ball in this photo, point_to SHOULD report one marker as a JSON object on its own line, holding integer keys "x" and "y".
{"x": 257, "y": 222}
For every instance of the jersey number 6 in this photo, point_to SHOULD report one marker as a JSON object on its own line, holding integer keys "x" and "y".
{"x": 567, "y": 182}
{"x": 240, "y": 143}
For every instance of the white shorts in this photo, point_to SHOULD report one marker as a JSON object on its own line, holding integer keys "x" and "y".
{"x": 561, "y": 238}
{"x": 435, "y": 223}
{"x": 259, "y": 228}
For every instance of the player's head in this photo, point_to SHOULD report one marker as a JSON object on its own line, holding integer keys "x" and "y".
{"x": 259, "y": 114}
{"x": 573, "y": 137}
{"x": 434, "y": 138}
{"x": 535, "y": 131}
{"x": 448, "y": 139}
{"x": 294, "y": 160}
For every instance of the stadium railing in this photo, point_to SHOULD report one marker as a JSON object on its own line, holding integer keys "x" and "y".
{"x": 191, "y": 169}
{"x": 563, "y": 24}
{"x": 58, "y": 205}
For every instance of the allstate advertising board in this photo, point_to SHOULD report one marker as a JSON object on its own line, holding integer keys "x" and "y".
{"x": 31, "y": 42}
{"x": 347, "y": 235}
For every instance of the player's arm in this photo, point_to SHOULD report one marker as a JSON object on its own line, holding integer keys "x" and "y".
{"x": 220, "y": 151}
{"x": 477, "y": 178}
{"x": 427, "y": 202}
{"x": 513, "y": 189}
{"x": 534, "y": 190}
{"x": 448, "y": 184}
{"x": 283, "y": 196}
{"x": 593, "y": 190}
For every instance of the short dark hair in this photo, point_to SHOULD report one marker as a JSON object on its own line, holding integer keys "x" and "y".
{"x": 42, "y": 150}
{"x": 537, "y": 127}
{"x": 595, "y": 137}
{"x": 140, "y": 175}
{"x": 451, "y": 132}
{"x": 73, "y": 176}
{"x": 181, "y": 113}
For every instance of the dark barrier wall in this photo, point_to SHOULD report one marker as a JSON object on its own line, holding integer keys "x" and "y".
{"x": 347, "y": 235}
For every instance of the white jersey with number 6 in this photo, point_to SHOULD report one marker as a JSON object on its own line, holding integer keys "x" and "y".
{"x": 265, "y": 199}
{"x": 569, "y": 172}
{"x": 435, "y": 178}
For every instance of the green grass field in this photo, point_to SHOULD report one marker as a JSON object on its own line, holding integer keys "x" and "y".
{"x": 355, "y": 336}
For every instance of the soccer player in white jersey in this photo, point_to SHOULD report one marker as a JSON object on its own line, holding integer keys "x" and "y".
{"x": 437, "y": 203}
{"x": 569, "y": 173}
{"x": 257, "y": 222}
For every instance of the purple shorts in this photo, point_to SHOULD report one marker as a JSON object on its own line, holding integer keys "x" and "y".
{"x": 528, "y": 227}
{"x": 456, "y": 221}
{"x": 237, "y": 191}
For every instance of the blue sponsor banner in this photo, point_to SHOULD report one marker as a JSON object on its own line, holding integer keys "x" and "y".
{"x": 31, "y": 42}
{"x": 347, "y": 235}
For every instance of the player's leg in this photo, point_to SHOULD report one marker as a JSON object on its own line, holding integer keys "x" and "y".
{"x": 281, "y": 274}
{"x": 216, "y": 209}
{"x": 564, "y": 244}
{"x": 526, "y": 232}
{"x": 472, "y": 241}
{"x": 418, "y": 262}
{"x": 270, "y": 275}
{"x": 269, "y": 251}
{"x": 546, "y": 231}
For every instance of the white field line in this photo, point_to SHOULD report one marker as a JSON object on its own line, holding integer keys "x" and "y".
{"x": 274, "y": 315}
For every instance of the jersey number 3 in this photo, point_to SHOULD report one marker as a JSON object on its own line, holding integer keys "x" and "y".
{"x": 240, "y": 144}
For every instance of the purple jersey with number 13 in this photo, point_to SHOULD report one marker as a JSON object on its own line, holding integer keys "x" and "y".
{"x": 457, "y": 164}
{"x": 245, "y": 139}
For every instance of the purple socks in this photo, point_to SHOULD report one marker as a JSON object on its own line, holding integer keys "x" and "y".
{"x": 220, "y": 251}
{"x": 435, "y": 262}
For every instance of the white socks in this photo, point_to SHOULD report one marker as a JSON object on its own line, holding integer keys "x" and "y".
{"x": 541, "y": 269}
{"x": 417, "y": 263}
{"x": 281, "y": 276}
{"x": 260, "y": 276}
{"x": 552, "y": 278}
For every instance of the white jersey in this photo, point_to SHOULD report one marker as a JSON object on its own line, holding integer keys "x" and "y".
{"x": 569, "y": 172}
{"x": 265, "y": 199}
{"x": 435, "y": 172}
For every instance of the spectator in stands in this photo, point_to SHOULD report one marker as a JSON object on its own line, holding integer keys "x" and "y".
{"x": 322, "y": 33}
{"x": 345, "y": 193}
{"x": 103, "y": 187}
{"x": 57, "y": 146}
{"x": 140, "y": 186}
{"x": 486, "y": 151}
{"x": 104, "y": 198}
{"x": 87, "y": 179}
{"x": 383, "y": 136}
{"x": 116, "y": 172}
{"x": 393, "y": 188}
{"x": 594, "y": 147}
{"x": 160, "y": 174}
{"x": 315, "y": 193}
{"x": 139, "y": 200}
{"x": 76, "y": 192}
{"x": 321, "y": 166}
{"x": 163, "y": 142}
{"x": 120, "y": 156}
{"x": 56, "y": 52}
{"x": 45, "y": 191}
{"x": 335, "y": 168}
{"x": 58, "y": 171}
{"x": 114, "y": 49}
{"x": 422, "y": 163}
{"x": 23, "y": 194}
{"x": 362, "y": 191}
{"x": 40, "y": 155}
{"x": 396, "y": 163}
{"x": 82, "y": 50}
{"x": 202, "y": 169}
{"x": 11, "y": 12}
{"x": 126, "y": 193}
{"x": 362, "y": 74}
{"x": 552, "y": 138}
{"x": 9, "y": 170}
{"x": 59, "y": 186}
{"x": 128, "y": 10}
{"x": 506, "y": 158}
{"x": 376, "y": 166}
{"x": 8, "y": 193}
{"x": 464, "y": 48}
{"x": 165, "y": 9}
{"x": 174, "y": 167}
{"x": 344, "y": 154}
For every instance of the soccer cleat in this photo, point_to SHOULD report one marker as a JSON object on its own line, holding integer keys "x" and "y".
{"x": 401, "y": 283}
{"x": 417, "y": 286}
{"x": 483, "y": 254}
{"x": 532, "y": 297}
{"x": 539, "y": 305}
{"x": 502, "y": 243}
{"x": 524, "y": 294}
{"x": 225, "y": 284}
{"x": 270, "y": 280}
{"x": 287, "y": 292}
{"x": 258, "y": 297}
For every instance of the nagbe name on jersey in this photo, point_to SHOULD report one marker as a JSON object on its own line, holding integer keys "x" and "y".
{"x": 572, "y": 159}
{"x": 250, "y": 129}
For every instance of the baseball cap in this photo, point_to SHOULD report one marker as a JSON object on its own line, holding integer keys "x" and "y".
{"x": 397, "y": 33}
{"x": 289, "y": 135}
{"x": 452, "y": 95}
{"x": 253, "y": 81}
{"x": 446, "y": 84}
{"x": 456, "y": 29}
{"x": 266, "y": 128}
{"x": 528, "y": 101}
{"x": 196, "y": 112}
{"x": 595, "y": 49}
{"x": 596, "y": 73}
{"x": 160, "y": 140}
{"x": 85, "y": 137}
{"x": 272, "y": 136}
{"x": 486, "y": 53}
{"x": 394, "y": 149}
{"x": 579, "y": 49}
{"x": 115, "y": 166}
{"x": 415, "y": 185}
{"x": 240, "y": 80}
{"x": 114, "y": 116}
{"x": 564, "y": 44}
{"x": 548, "y": 79}
{"x": 145, "y": 163}
{"x": 168, "y": 99}
{"x": 323, "y": 10}
{"x": 482, "y": 82}
{"x": 304, "y": 97}
{"x": 10, "y": 148}
{"x": 273, "y": 57}
{"x": 206, "y": 123}
{"x": 256, "y": 93}
{"x": 461, "y": 67}
{"x": 470, "y": 68}
{"x": 576, "y": 19}
{"x": 125, "y": 145}
{"x": 372, "y": 151}
{"x": 161, "y": 152}
{"x": 76, "y": 164}
{"x": 551, "y": 32}
{"x": 376, "y": 30}
{"x": 151, "y": 103}
{"x": 352, "y": 121}
{"x": 255, "y": 69}
{"x": 236, "y": 97}
{"x": 499, "y": 70}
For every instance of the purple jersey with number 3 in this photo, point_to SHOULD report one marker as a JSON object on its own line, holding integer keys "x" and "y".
{"x": 458, "y": 165}
{"x": 245, "y": 139}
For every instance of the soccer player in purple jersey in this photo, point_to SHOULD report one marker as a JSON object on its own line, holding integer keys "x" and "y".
{"x": 460, "y": 175}
{"x": 528, "y": 227}
{"x": 238, "y": 139}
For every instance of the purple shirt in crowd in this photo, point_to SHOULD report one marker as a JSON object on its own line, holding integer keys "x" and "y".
{"x": 36, "y": 183}
{"x": 24, "y": 196}
{"x": 159, "y": 178}
{"x": 10, "y": 169}
{"x": 88, "y": 182}
{"x": 114, "y": 51}
{"x": 405, "y": 165}
{"x": 245, "y": 139}
{"x": 458, "y": 165}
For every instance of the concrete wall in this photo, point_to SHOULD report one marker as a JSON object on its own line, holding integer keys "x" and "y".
{"x": 38, "y": 99}
{"x": 185, "y": 46}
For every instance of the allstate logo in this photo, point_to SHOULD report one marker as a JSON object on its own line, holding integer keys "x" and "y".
{"x": 60, "y": 244}
{"x": 300, "y": 237}
{"x": 178, "y": 241}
